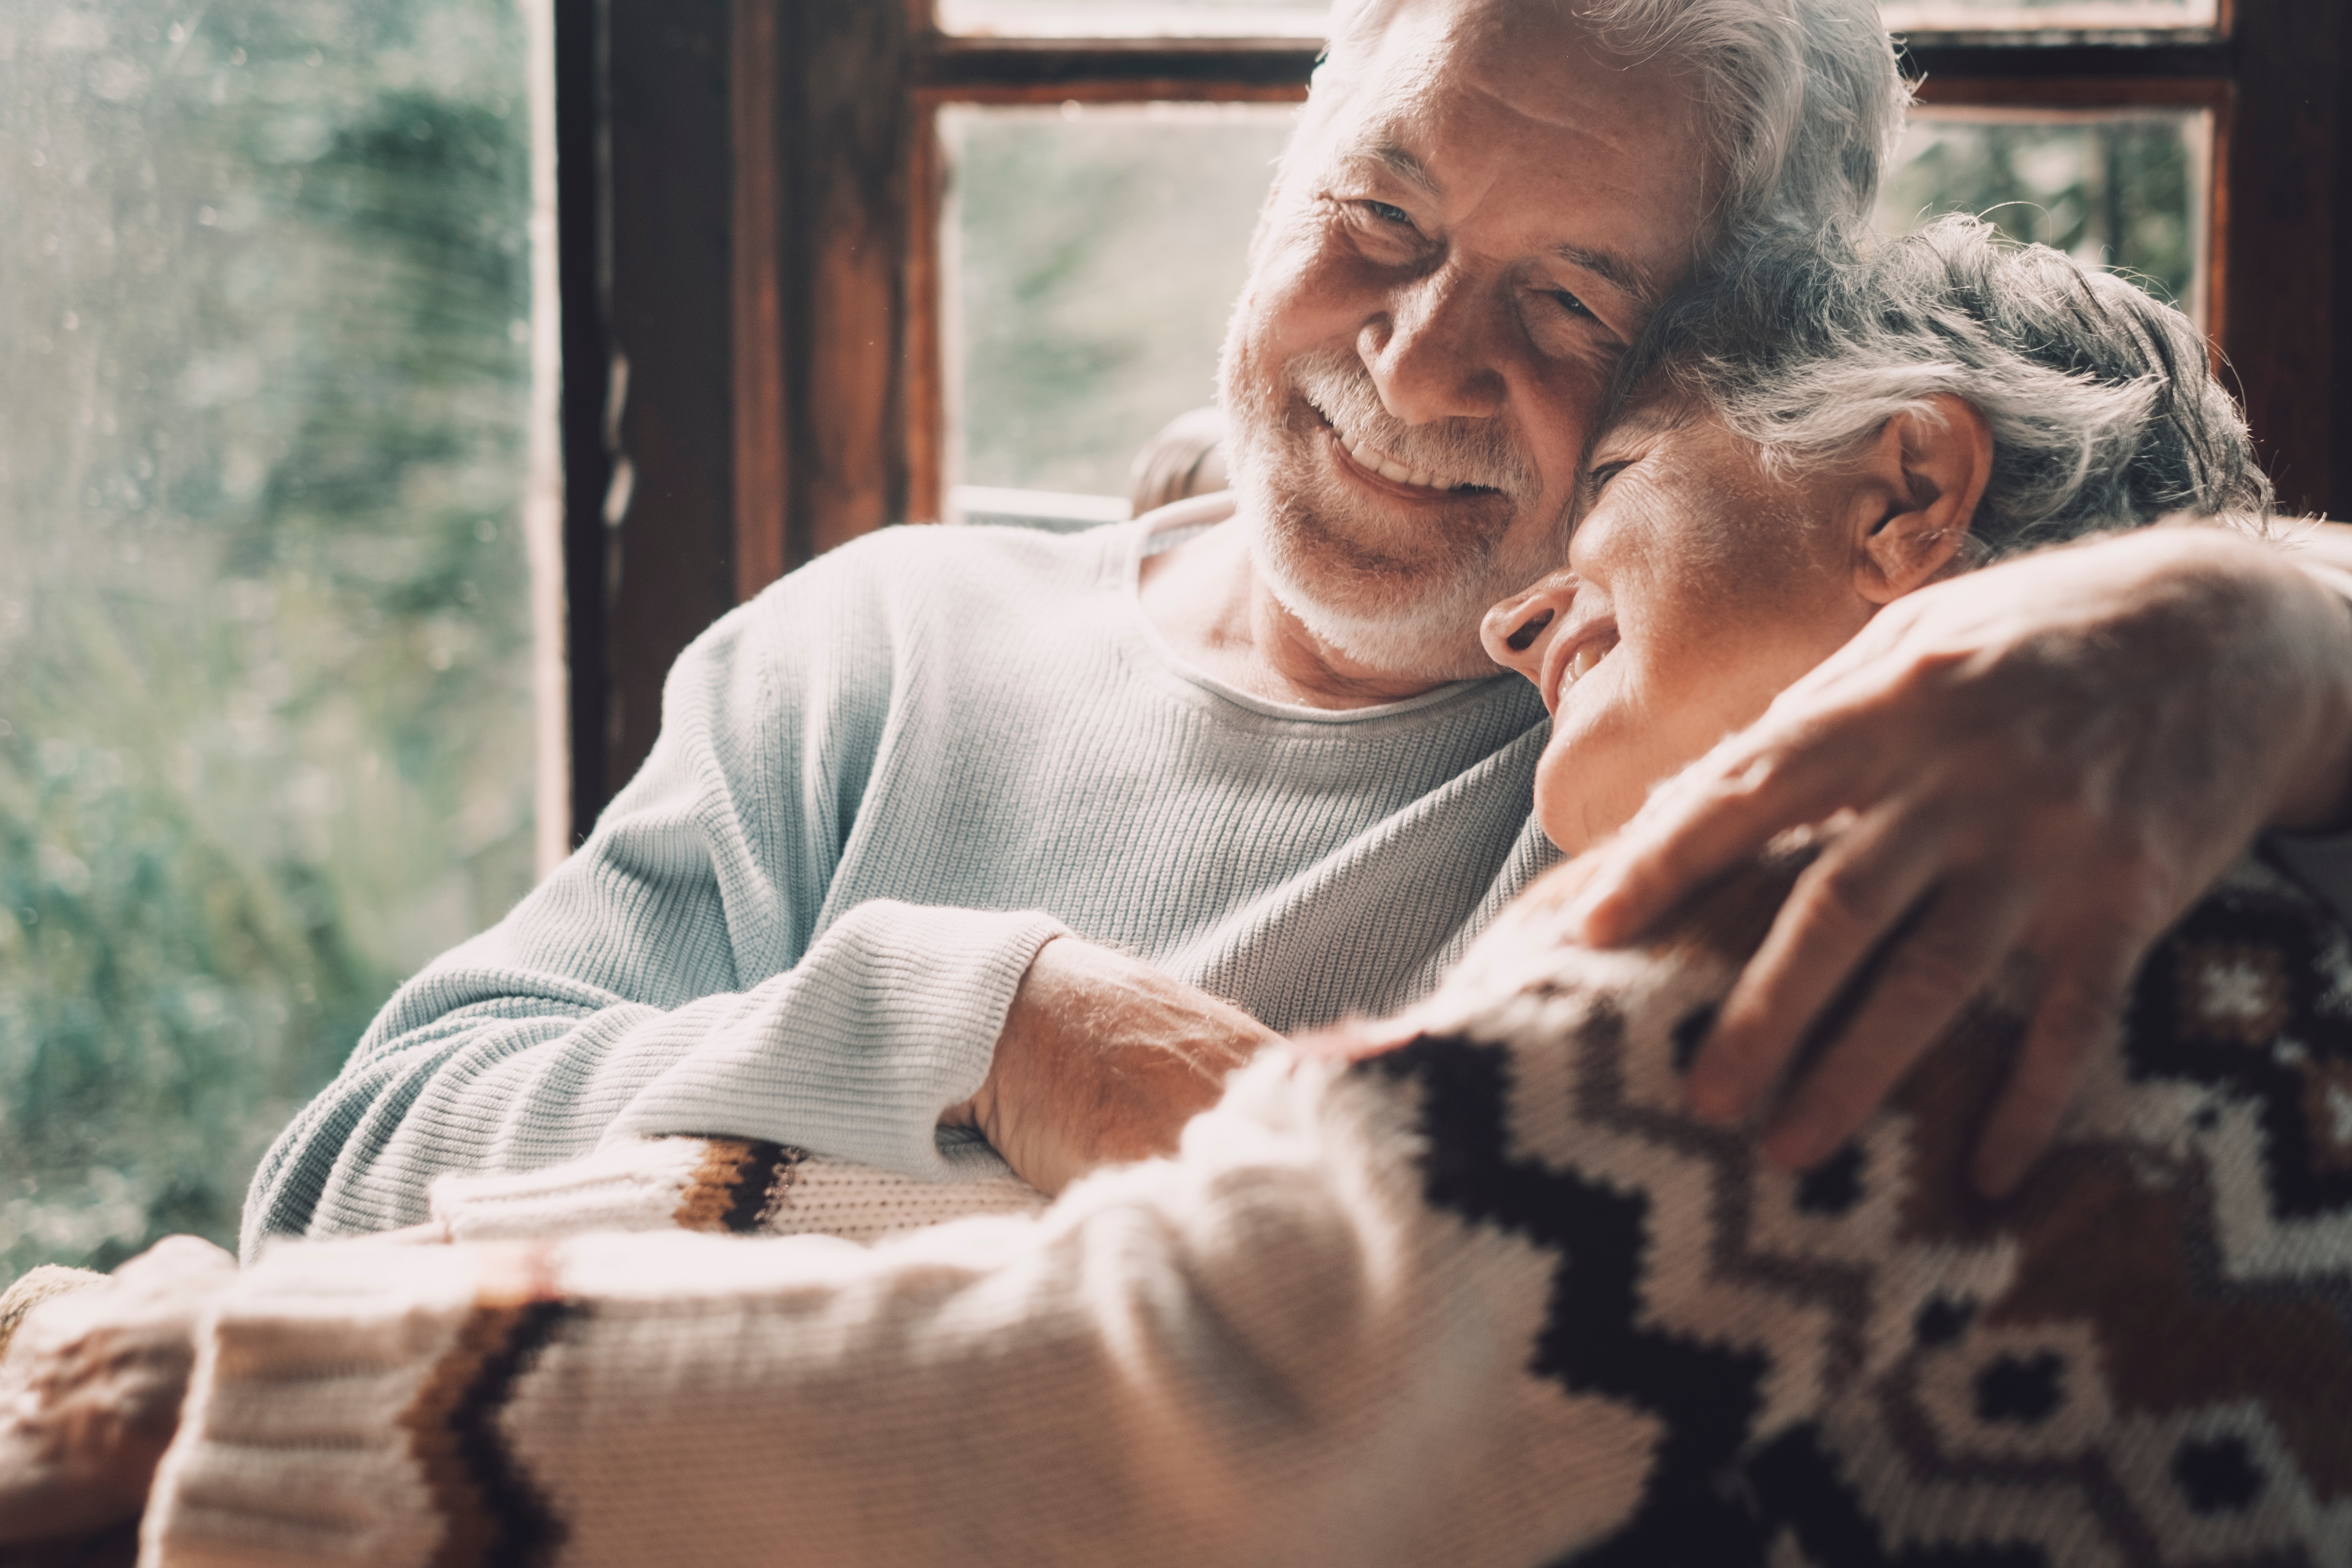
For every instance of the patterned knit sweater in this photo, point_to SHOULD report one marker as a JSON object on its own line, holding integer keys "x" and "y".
{"x": 1490, "y": 1298}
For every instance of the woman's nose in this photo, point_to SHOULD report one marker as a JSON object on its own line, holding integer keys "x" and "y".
{"x": 1517, "y": 631}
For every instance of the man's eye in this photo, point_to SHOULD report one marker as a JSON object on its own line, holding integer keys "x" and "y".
{"x": 1389, "y": 211}
{"x": 1602, "y": 473}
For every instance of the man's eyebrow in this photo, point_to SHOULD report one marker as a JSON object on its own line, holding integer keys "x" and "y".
{"x": 1611, "y": 270}
{"x": 1404, "y": 165}
{"x": 1397, "y": 161}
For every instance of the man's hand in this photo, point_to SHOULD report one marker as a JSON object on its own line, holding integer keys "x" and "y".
{"x": 90, "y": 1395}
{"x": 2043, "y": 762}
{"x": 1103, "y": 1060}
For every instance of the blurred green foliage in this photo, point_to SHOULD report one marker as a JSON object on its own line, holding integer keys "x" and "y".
{"x": 2115, "y": 191}
{"x": 1097, "y": 252}
{"x": 265, "y": 738}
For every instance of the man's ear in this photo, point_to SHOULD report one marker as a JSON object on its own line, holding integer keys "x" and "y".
{"x": 1928, "y": 468}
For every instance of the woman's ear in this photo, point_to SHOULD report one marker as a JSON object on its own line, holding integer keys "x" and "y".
{"x": 1930, "y": 467}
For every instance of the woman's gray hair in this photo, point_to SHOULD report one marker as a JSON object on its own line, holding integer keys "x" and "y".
{"x": 1802, "y": 96}
{"x": 2104, "y": 410}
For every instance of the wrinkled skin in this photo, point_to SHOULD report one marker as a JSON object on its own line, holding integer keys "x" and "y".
{"x": 1149, "y": 1054}
{"x": 2045, "y": 763}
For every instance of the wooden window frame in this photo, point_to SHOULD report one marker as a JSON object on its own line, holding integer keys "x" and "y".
{"x": 749, "y": 193}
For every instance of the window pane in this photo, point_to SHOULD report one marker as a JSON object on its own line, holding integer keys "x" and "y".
{"x": 2121, "y": 190}
{"x": 1092, "y": 256}
{"x": 1260, "y": 19}
{"x": 1122, "y": 19}
{"x": 266, "y": 729}
{"x": 2008, "y": 16}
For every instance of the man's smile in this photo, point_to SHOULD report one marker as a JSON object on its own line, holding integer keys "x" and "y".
{"x": 1369, "y": 465}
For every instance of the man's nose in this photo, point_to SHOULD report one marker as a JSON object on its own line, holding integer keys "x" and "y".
{"x": 1517, "y": 631}
{"x": 1429, "y": 354}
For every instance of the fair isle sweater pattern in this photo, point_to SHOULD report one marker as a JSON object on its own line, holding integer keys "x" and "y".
{"x": 2145, "y": 1359}
{"x": 1490, "y": 1298}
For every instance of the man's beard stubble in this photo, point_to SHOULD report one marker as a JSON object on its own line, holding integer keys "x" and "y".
{"x": 1400, "y": 595}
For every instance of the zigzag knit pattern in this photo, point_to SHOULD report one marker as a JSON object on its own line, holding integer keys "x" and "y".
{"x": 2145, "y": 1359}
{"x": 1492, "y": 1299}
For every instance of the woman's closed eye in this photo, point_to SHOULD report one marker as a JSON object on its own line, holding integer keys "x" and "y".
{"x": 1602, "y": 473}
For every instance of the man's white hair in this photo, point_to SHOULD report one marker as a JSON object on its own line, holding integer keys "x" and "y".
{"x": 1802, "y": 96}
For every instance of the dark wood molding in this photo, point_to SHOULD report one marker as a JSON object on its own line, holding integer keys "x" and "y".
{"x": 1937, "y": 59}
{"x": 848, "y": 126}
{"x": 582, "y": 252}
{"x": 762, "y": 411}
{"x": 669, "y": 515}
{"x": 2279, "y": 281}
{"x": 2086, "y": 93}
{"x": 926, "y": 403}
{"x": 2339, "y": 502}
{"x": 1139, "y": 67}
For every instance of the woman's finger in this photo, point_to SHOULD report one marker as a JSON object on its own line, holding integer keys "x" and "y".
{"x": 1841, "y": 909}
{"x": 2077, "y": 1013}
{"x": 1725, "y": 807}
{"x": 1967, "y": 930}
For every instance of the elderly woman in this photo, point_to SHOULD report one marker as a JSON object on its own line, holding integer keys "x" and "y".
{"x": 1471, "y": 1286}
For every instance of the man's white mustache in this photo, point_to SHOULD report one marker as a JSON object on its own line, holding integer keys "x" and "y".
{"x": 1481, "y": 452}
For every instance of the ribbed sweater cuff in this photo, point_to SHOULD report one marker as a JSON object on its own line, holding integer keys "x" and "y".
{"x": 891, "y": 1019}
{"x": 300, "y": 1442}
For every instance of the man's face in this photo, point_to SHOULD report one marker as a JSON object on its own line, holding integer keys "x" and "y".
{"x": 1448, "y": 274}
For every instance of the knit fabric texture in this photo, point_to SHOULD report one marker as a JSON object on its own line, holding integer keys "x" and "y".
{"x": 723, "y": 1186}
{"x": 1488, "y": 1298}
{"x": 878, "y": 790}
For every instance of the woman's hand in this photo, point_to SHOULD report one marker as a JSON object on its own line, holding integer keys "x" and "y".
{"x": 91, "y": 1393}
{"x": 2043, "y": 764}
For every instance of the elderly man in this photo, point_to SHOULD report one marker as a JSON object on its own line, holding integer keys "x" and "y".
{"x": 959, "y": 833}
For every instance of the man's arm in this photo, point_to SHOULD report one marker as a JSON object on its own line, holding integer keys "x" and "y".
{"x": 2046, "y": 762}
{"x": 681, "y": 972}
{"x": 687, "y": 972}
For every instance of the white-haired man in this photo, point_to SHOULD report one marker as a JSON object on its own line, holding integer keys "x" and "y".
{"x": 960, "y": 829}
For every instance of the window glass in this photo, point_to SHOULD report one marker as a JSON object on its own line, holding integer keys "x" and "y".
{"x": 2121, "y": 190}
{"x": 1092, "y": 256}
{"x": 1122, "y": 19}
{"x": 2007, "y": 16}
{"x": 266, "y": 729}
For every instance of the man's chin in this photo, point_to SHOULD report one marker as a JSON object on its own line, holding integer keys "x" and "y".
{"x": 1418, "y": 624}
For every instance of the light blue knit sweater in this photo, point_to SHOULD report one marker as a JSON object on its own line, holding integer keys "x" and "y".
{"x": 878, "y": 789}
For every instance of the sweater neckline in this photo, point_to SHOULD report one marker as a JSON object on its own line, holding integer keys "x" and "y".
{"x": 1172, "y": 525}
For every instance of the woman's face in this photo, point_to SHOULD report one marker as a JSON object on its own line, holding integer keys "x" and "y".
{"x": 1697, "y": 587}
